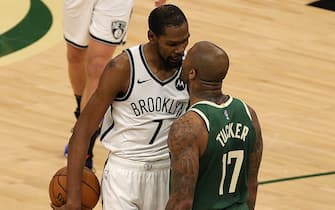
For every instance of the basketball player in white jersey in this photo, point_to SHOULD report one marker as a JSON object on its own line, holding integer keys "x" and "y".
{"x": 140, "y": 94}
{"x": 92, "y": 30}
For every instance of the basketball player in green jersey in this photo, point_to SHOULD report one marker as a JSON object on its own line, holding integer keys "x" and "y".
{"x": 216, "y": 147}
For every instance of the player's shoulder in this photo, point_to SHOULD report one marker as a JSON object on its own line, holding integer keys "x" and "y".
{"x": 119, "y": 62}
{"x": 252, "y": 115}
{"x": 188, "y": 131}
{"x": 190, "y": 122}
{"x": 244, "y": 104}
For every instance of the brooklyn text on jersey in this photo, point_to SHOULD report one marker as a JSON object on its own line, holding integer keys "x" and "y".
{"x": 158, "y": 104}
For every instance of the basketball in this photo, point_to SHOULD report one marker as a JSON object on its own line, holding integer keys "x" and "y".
{"x": 90, "y": 188}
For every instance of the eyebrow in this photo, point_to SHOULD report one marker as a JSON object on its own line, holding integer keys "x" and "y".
{"x": 182, "y": 41}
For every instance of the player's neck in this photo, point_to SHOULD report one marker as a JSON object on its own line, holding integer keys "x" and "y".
{"x": 156, "y": 64}
{"x": 213, "y": 95}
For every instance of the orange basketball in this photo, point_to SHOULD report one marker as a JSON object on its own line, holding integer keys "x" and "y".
{"x": 90, "y": 188}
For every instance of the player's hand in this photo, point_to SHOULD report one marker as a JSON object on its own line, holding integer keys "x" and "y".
{"x": 159, "y": 2}
{"x": 64, "y": 207}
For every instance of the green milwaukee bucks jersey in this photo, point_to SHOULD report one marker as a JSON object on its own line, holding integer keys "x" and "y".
{"x": 223, "y": 171}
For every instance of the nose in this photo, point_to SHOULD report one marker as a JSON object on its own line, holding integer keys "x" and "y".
{"x": 180, "y": 49}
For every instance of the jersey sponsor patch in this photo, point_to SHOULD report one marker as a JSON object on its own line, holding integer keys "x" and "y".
{"x": 180, "y": 85}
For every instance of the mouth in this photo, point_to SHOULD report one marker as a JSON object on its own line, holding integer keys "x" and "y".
{"x": 176, "y": 59}
{"x": 174, "y": 62}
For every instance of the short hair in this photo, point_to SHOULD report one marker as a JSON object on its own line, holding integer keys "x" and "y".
{"x": 164, "y": 16}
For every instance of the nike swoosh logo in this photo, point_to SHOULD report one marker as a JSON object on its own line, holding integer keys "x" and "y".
{"x": 142, "y": 81}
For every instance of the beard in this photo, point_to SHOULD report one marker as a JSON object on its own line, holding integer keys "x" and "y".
{"x": 171, "y": 63}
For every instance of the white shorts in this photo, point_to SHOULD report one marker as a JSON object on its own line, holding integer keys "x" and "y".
{"x": 104, "y": 20}
{"x": 133, "y": 185}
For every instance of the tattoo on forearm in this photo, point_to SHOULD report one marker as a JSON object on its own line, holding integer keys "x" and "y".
{"x": 185, "y": 164}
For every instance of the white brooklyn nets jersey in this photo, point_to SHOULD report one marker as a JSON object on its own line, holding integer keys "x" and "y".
{"x": 136, "y": 126}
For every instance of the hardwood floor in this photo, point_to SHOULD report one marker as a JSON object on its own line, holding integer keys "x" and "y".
{"x": 282, "y": 64}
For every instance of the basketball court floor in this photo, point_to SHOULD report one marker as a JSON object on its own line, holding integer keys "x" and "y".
{"x": 282, "y": 57}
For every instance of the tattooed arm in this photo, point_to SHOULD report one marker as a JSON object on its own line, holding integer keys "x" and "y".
{"x": 187, "y": 142}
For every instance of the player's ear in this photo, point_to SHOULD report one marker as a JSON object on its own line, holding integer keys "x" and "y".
{"x": 192, "y": 74}
{"x": 151, "y": 36}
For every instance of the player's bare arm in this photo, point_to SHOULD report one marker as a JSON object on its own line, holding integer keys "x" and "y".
{"x": 255, "y": 160}
{"x": 114, "y": 80}
{"x": 184, "y": 139}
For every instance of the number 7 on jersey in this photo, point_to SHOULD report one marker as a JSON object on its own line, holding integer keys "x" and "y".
{"x": 160, "y": 122}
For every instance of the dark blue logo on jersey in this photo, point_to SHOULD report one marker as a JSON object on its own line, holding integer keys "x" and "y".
{"x": 180, "y": 85}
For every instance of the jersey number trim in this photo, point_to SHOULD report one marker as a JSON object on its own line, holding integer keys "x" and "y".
{"x": 227, "y": 160}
